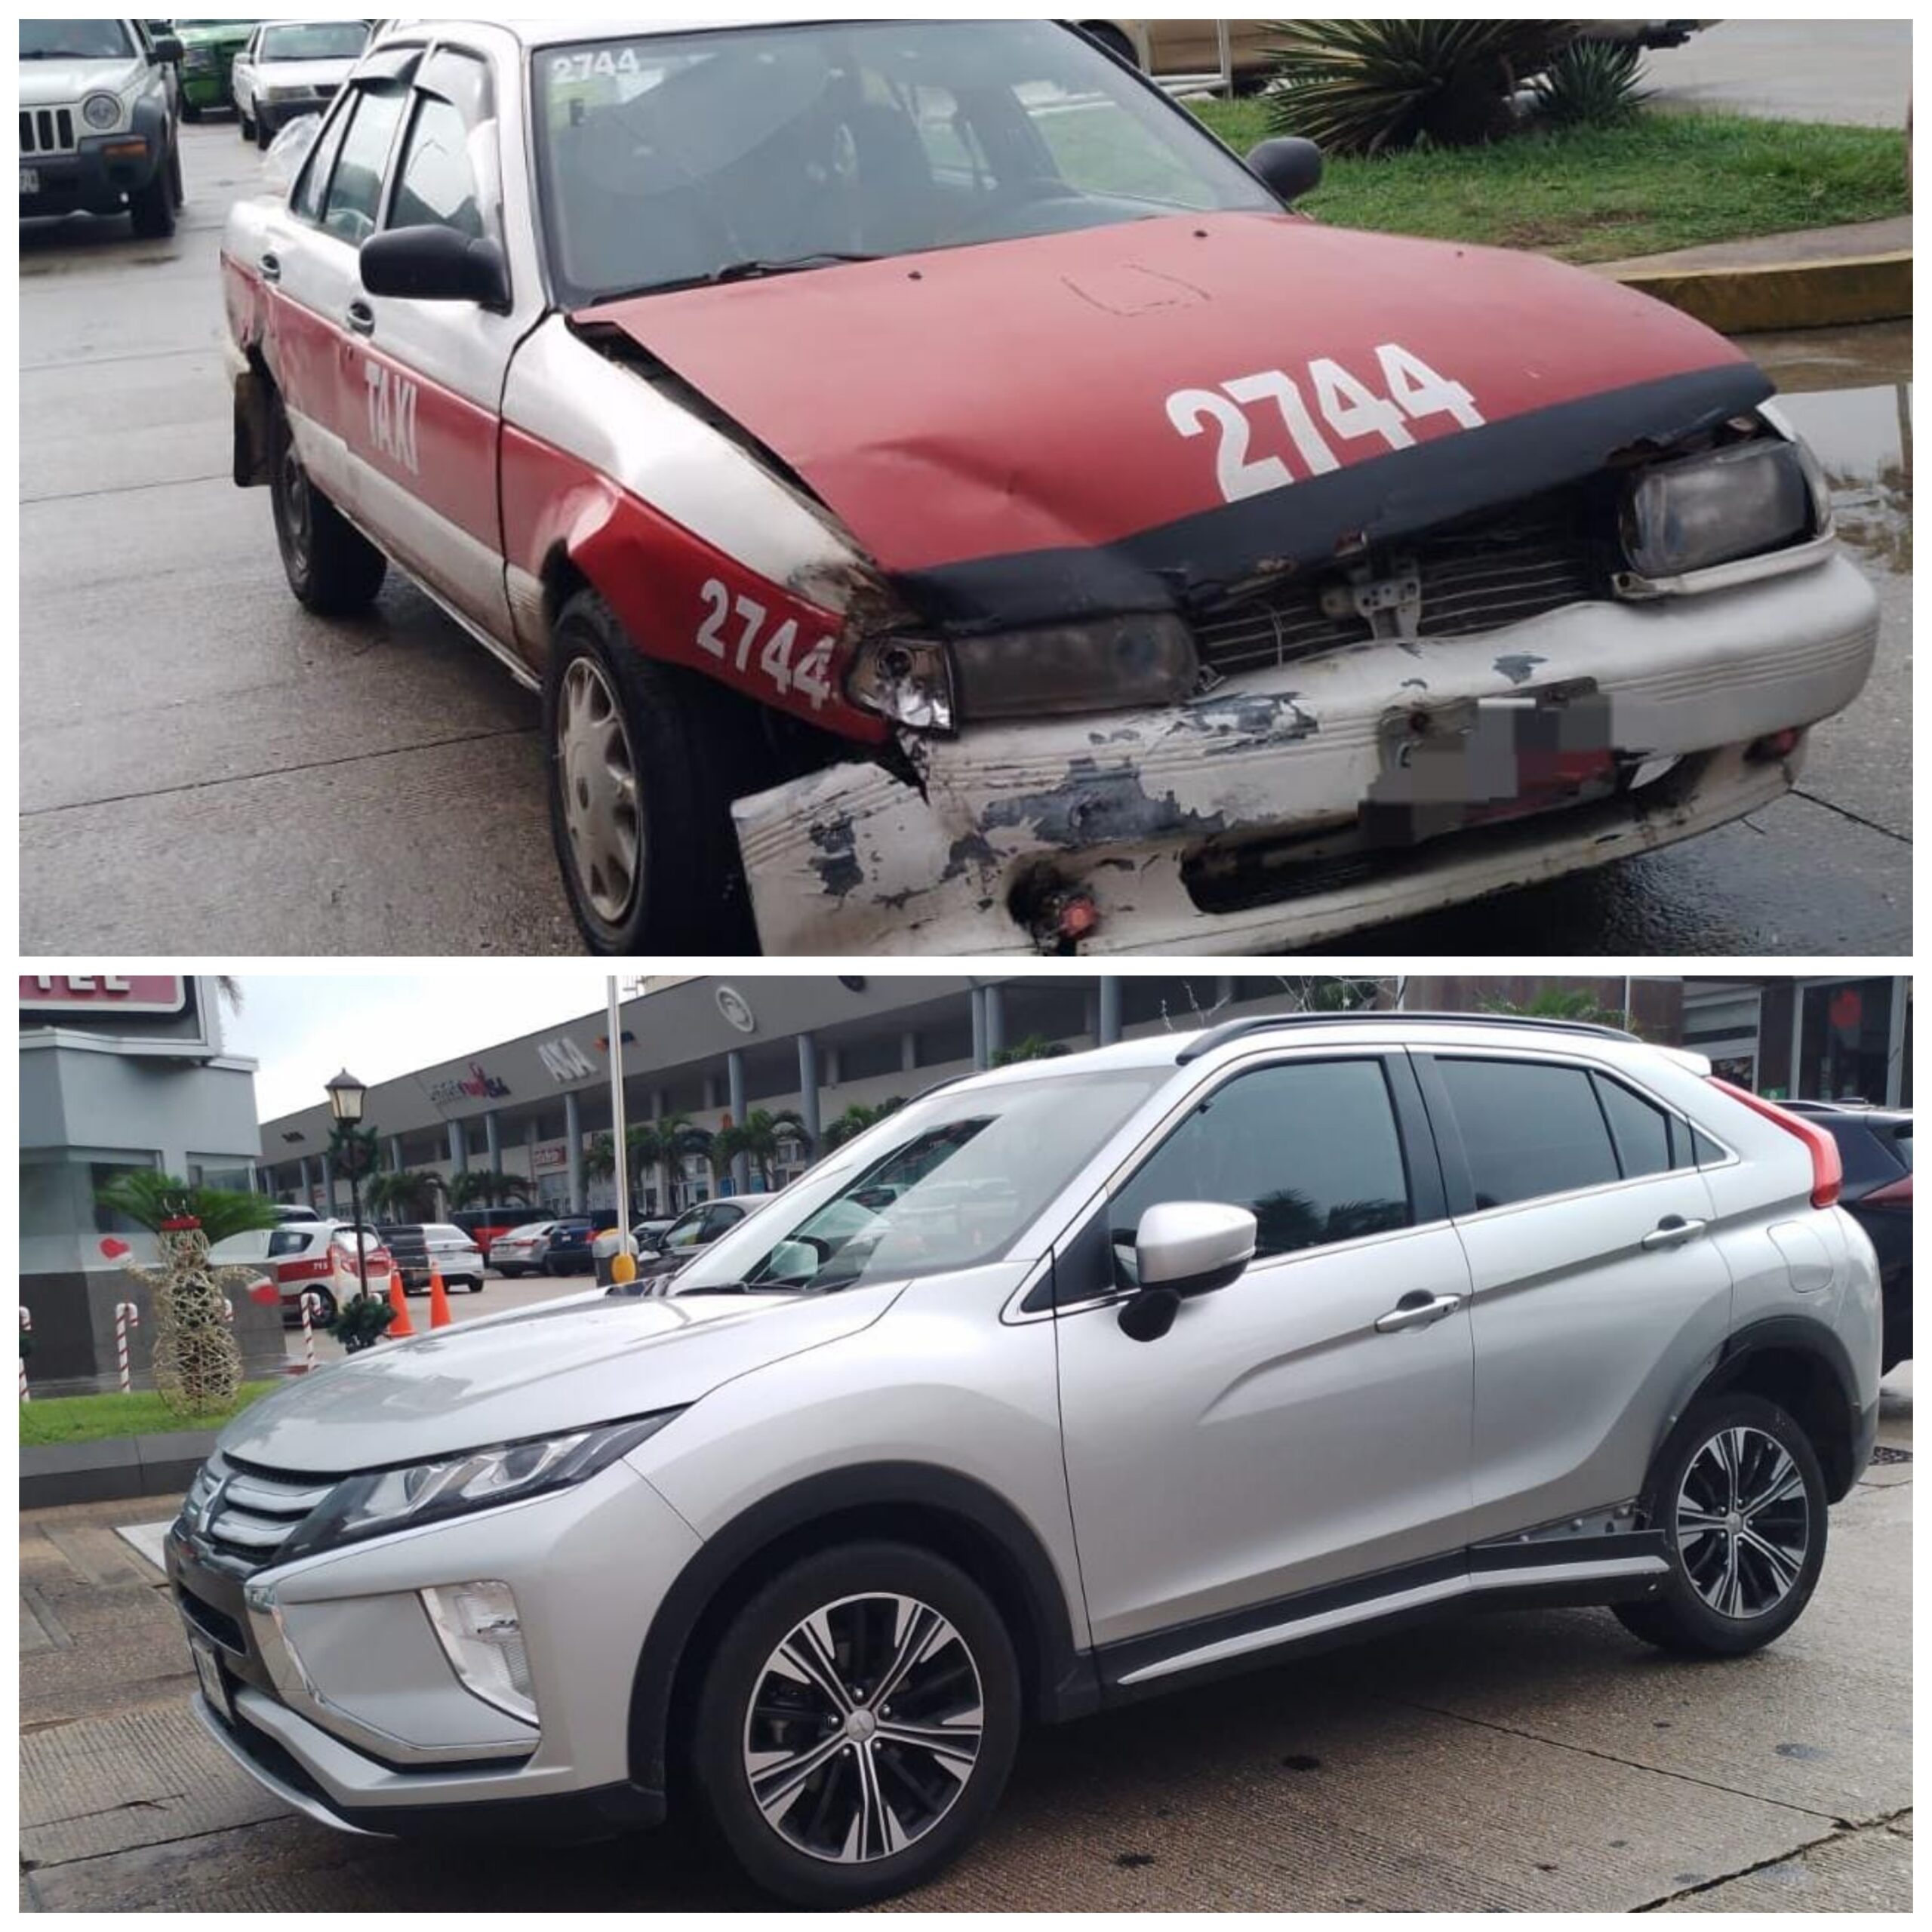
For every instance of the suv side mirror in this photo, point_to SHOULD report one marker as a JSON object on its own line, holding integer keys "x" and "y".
{"x": 1288, "y": 165}
{"x": 1181, "y": 1249}
{"x": 164, "y": 51}
{"x": 433, "y": 264}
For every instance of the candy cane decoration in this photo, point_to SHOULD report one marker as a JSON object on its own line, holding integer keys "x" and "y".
{"x": 126, "y": 1316}
{"x": 312, "y": 1306}
{"x": 228, "y": 1311}
{"x": 26, "y": 1328}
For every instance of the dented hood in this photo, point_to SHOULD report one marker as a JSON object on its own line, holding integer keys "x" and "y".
{"x": 1045, "y": 424}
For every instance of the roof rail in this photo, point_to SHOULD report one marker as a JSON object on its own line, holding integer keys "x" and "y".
{"x": 1239, "y": 1029}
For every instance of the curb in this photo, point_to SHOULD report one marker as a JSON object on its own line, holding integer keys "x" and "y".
{"x": 1833, "y": 293}
{"x": 52, "y": 1473}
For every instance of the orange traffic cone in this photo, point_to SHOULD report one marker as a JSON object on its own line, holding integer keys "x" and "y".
{"x": 400, "y": 1327}
{"x": 439, "y": 1302}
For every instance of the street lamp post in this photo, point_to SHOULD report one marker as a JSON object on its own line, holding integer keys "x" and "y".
{"x": 347, "y": 1096}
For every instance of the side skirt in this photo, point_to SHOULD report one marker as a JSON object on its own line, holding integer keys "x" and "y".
{"x": 1619, "y": 1567}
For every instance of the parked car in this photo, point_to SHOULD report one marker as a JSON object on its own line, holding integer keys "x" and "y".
{"x": 567, "y": 1251}
{"x": 520, "y": 1251}
{"x": 418, "y": 1245}
{"x": 483, "y": 1225}
{"x": 315, "y": 1257}
{"x": 97, "y": 125}
{"x": 1875, "y": 1143}
{"x": 290, "y": 68}
{"x": 649, "y": 1235}
{"x": 1167, "y": 48}
{"x": 291, "y": 1210}
{"x": 1289, "y": 1329}
{"x": 208, "y": 48}
{"x": 696, "y": 1227}
{"x": 1334, "y": 577}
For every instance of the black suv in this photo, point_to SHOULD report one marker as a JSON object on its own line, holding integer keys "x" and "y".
{"x": 1875, "y": 1145}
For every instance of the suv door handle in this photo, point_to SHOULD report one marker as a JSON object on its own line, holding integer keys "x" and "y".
{"x": 1673, "y": 1231}
{"x": 271, "y": 265}
{"x": 1420, "y": 1310}
{"x": 362, "y": 318}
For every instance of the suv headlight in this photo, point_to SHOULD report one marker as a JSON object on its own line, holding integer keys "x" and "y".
{"x": 382, "y": 1501}
{"x": 196, "y": 60}
{"x": 101, "y": 111}
{"x": 1103, "y": 664}
{"x": 1702, "y": 511}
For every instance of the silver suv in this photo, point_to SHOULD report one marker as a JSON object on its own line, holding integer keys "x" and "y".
{"x": 1065, "y": 1384}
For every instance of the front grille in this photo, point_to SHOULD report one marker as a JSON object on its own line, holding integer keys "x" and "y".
{"x": 212, "y": 1622}
{"x": 1480, "y": 576}
{"x": 47, "y": 131}
{"x": 253, "y": 1513}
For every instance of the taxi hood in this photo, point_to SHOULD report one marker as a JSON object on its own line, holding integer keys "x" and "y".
{"x": 1055, "y": 425}
{"x": 537, "y": 1372}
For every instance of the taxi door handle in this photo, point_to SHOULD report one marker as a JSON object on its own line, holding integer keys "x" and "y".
{"x": 1673, "y": 1231}
{"x": 362, "y": 318}
{"x": 271, "y": 266}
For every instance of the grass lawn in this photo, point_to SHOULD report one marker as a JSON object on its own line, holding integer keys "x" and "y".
{"x": 101, "y": 1418}
{"x": 1667, "y": 181}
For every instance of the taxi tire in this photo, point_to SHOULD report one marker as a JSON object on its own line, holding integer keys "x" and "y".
{"x": 343, "y": 570}
{"x": 696, "y": 747}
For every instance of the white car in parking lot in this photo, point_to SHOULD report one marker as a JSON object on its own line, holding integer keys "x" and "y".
{"x": 290, "y": 68}
{"x": 522, "y": 1250}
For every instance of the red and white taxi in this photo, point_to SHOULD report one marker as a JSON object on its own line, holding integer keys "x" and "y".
{"x": 949, "y": 503}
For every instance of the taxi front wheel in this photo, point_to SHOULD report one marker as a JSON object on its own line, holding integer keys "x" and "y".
{"x": 643, "y": 761}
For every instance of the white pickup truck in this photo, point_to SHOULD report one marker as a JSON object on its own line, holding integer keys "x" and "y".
{"x": 949, "y": 503}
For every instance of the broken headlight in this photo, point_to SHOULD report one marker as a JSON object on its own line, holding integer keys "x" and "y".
{"x": 1701, "y": 511}
{"x": 1105, "y": 664}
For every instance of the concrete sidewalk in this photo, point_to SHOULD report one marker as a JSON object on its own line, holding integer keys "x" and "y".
{"x": 1533, "y": 1760}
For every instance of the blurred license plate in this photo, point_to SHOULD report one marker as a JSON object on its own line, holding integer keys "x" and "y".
{"x": 1501, "y": 758}
{"x": 214, "y": 1688}
{"x": 30, "y": 180}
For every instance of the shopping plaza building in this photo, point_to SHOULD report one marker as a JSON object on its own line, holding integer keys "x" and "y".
{"x": 713, "y": 1049}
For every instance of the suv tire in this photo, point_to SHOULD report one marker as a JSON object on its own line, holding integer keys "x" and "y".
{"x": 1738, "y": 1493}
{"x": 876, "y": 1602}
{"x": 244, "y": 126}
{"x": 674, "y": 750}
{"x": 332, "y": 567}
{"x": 151, "y": 208}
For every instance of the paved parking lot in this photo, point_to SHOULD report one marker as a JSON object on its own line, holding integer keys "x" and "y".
{"x": 207, "y": 769}
{"x": 499, "y": 1294}
{"x": 1536, "y": 1761}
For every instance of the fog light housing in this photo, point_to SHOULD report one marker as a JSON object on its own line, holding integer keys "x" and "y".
{"x": 907, "y": 679}
{"x": 481, "y": 1635}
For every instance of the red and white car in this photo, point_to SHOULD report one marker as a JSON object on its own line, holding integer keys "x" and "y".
{"x": 313, "y": 1256}
{"x": 951, "y": 504}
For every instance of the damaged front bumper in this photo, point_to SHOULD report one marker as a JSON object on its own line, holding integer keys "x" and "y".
{"x": 1259, "y": 817}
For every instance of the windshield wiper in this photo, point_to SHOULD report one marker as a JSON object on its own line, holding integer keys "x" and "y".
{"x": 755, "y": 269}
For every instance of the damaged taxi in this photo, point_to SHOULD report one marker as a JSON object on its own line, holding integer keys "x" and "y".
{"x": 950, "y": 503}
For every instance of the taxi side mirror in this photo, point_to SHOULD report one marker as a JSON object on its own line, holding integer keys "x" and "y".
{"x": 1289, "y": 165}
{"x": 433, "y": 264}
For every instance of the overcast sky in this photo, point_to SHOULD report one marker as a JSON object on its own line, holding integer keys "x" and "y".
{"x": 304, "y": 1030}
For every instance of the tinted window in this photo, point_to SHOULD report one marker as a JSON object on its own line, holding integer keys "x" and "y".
{"x": 1311, "y": 1150}
{"x": 1865, "y": 1151}
{"x": 1640, "y": 1131}
{"x": 1528, "y": 1130}
{"x": 306, "y": 201}
{"x": 287, "y": 1241}
{"x": 445, "y": 161}
{"x": 355, "y": 191}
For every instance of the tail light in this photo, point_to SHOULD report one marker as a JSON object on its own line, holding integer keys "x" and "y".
{"x": 1895, "y": 1194}
{"x": 1827, "y": 1164}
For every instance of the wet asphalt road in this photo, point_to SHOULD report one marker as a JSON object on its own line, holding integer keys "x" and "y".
{"x": 206, "y": 769}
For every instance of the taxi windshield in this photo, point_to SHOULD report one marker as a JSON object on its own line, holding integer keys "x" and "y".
{"x": 669, "y": 160}
{"x": 950, "y": 1182}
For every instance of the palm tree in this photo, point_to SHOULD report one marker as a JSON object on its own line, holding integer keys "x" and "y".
{"x": 1032, "y": 1047}
{"x": 854, "y": 1120}
{"x": 484, "y": 1187}
{"x": 758, "y": 1138}
{"x": 409, "y": 1195}
{"x": 660, "y": 1144}
{"x": 1554, "y": 1002}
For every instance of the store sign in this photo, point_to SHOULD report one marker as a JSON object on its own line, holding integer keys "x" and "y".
{"x": 736, "y": 1010}
{"x": 479, "y": 1086}
{"x": 104, "y": 992}
{"x": 565, "y": 1061}
{"x": 550, "y": 1157}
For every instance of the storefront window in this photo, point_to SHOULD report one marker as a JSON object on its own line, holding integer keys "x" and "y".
{"x": 1845, "y": 1041}
{"x": 221, "y": 1171}
{"x": 62, "y": 1221}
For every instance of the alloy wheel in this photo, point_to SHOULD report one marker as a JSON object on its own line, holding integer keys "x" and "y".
{"x": 603, "y": 810}
{"x": 1743, "y": 1522}
{"x": 864, "y": 1728}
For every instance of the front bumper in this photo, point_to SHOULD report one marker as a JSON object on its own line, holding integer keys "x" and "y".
{"x": 1133, "y": 811}
{"x": 91, "y": 180}
{"x": 341, "y": 1703}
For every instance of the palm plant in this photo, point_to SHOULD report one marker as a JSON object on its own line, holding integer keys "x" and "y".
{"x": 1367, "y": 87}
{"x": 757, "y": 1137}
{"x": 484, "y": 1187}
{"x": 854, "y": 1120}
{"x": 1591, "y": 84}
{"x": 409, "y": 1195}
{"x": 660, "y": 1145}
{"x": 1032, "y": 1047}
{"x": 1577, "y": 1003}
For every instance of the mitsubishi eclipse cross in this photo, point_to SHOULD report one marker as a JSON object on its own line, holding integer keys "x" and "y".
{"x": 1170, "y": 1359}
{"x": 949, "y": 503}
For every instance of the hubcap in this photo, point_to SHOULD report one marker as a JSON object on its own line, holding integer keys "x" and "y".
{"x": 295, "y": 505}
{"x": 1744, "y": 1523}
{"x": 864, "y": 1727}
{"x": 602, "y": 813}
